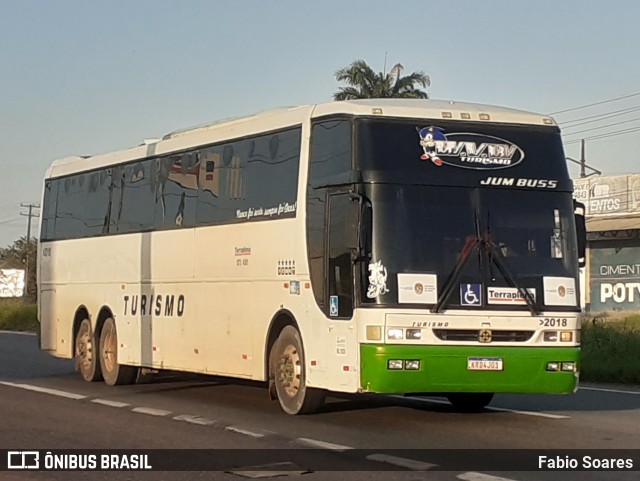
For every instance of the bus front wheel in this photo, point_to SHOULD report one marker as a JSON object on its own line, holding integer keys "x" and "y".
{"x": 288, "y": 369}
{"x": 113, "y": 373}
{"x": 86, "y": 353}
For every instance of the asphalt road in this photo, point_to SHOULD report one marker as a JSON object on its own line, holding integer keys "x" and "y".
{"x": 46, "y": 406}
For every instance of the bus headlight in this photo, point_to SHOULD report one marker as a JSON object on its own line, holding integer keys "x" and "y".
{"x": 553, "y": 366}
{"x": 414, "y": 333}
{"x": 395, "y": 364}
{"x": 395, "y": 334}
{"x": 550, "y": 336}
{"x": 412, "y": 365}
{"x": 568, "y": 366}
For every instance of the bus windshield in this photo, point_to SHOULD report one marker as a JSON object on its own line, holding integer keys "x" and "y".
{"x": 505, "y": 186}
{"x": 420, "y": 229}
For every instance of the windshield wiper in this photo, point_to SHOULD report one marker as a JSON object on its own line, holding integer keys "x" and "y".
{"x": 470, "y": 245}
{"x": 496, "y": 257}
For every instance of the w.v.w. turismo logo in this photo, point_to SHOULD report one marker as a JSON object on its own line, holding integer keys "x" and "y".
{"x": 468, "y": 150}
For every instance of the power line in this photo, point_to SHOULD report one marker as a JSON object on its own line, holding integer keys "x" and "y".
{"x": 4, "y": 206}
{"x": 603, "y": 126}
{"x": 603, "y": 136}
{"x": 598, "y": 117}
{"x": 595, "y": 103}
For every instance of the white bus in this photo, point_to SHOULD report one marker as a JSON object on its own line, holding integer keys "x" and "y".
{"x": 384, "y": 246}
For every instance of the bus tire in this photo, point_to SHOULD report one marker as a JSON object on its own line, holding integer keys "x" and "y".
{"x": 113, "y": 373}
{"x": 470, "y": 401}
{"x": 86, "y": 353}
{"x": 294, "y": 395}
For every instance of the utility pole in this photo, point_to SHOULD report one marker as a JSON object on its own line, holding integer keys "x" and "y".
{"x": 583, "y": 161}
{"x": 30, "y": 214}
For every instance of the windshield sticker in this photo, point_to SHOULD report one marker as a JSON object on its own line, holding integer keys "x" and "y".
{"x": 428, "y": 138}
{"x": 468, "y": 150}
{"x": 470, "y": 294}
{"x": 559, "y": 291}
{"x": 417, "y": 288}
{"x": 508, "y": 296}
{"x": 377, "y": 280}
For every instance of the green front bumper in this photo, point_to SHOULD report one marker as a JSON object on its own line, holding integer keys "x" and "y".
{"x": 443, "y": 369}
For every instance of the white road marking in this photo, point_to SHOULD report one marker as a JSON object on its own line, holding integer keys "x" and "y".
{"x": 618, "y": 391}
{"x": 190, "y": 418}
{"x": 531, "y": 413}
{"x": 45, "y": 390}
{"x": 246, "y": 432}
{"x": 314, "y": 443}
{"x": 269, "y": 470}
{"x": 489, "y": 408}
{"x": 151, "y": 411}
{"x": 20, "y": 333}
{"x": 471, "y": 476}
{"x": 108, "y": 402}
{"x": 407, "y": 463}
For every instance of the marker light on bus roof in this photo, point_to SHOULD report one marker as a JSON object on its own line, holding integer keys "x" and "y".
{"x": 485, "y": 117}
{"x": 376, "y": 111}
{"x": 465, "y": 116}
{"x": 547, "y": 121}
{"x": 447, "y": 115}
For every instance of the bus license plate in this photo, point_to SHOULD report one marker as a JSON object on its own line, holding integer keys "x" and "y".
{"x": 484, "y": 364}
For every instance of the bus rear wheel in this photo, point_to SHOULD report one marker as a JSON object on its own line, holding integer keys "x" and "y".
{"x": 470, "y": 402}
{"x": 86, "y": 353}
{"x": 113, "y": 373}
{"x": 288, "y": 368}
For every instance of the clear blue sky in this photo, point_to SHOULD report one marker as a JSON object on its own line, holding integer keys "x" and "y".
{"x": 86, "y": 76}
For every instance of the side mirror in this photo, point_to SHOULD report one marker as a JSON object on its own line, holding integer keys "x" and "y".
{"x": 579, "y": 211}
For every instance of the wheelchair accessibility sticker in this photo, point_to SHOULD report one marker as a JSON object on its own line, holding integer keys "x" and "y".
{"x": 470, "y": 294}
{"x": 333, "y": 306}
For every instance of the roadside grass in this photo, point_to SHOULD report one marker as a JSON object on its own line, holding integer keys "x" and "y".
{"x": 610, "y": 346}
{"x": 611, "y": 350}
{"x": 18, "y": 315}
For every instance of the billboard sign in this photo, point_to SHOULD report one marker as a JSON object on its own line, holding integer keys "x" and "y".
{"x": 11, "y": 282}
{"x": 615, "y": 279}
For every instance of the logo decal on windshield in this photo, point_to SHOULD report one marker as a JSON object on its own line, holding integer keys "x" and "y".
{"x": 468, "y": 150}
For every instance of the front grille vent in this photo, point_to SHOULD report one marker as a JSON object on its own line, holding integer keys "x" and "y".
{"x": 471, "y": 335}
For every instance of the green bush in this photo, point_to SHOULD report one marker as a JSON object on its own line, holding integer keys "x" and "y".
{"x": 16, "y": 315}
{"x": 611, "y": 351}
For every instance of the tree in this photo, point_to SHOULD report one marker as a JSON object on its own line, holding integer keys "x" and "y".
{"x": 22, "y": 255}
{"x": 363, "y": 83}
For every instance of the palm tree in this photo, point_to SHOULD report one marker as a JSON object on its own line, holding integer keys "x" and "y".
{"x": 364, "y": 83}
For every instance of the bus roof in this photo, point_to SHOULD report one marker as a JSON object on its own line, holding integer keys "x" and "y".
{"x": 270, "y": 120}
